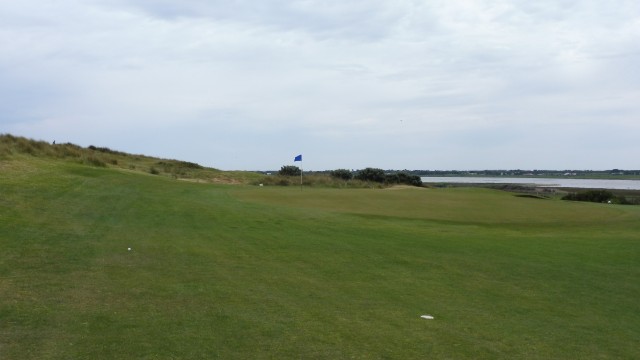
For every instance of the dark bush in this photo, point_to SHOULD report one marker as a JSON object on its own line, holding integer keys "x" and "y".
{"x": 371, "y": 174}
{"x": 342, "y": 174}
{"x": 290, "y": 170}
{"x": 404, "y": 178}
{"x": 599, "y": 196}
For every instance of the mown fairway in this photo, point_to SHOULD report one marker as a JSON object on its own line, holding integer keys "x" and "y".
{"x": 239, "y": 272}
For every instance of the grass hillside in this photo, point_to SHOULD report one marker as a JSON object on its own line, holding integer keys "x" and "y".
{"x": 14, "y": 147}
{"x": 242, "y": 272}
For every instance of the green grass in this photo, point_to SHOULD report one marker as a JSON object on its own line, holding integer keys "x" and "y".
{"x": 237, "y": 272}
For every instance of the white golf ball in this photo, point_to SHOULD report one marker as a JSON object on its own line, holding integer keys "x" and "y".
{"x": 129, "y": 249}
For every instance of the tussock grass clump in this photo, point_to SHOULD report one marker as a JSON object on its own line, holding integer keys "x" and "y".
{"x": 68, "y": 150}
{"x": 14, "y": 144}
{"x": 177, "y": 167}
{"x": 94, "y": 161}
{"x": 316, "y": 180}
{"x": 107, "y": 150}
{"x": 5, "y": 146}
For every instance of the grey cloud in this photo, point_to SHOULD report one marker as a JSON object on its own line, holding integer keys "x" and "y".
{"x": 333, "y": 75}
{"x": 363, "y": 20}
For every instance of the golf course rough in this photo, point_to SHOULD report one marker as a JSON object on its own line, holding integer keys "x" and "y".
{"x": 236, "y": 272}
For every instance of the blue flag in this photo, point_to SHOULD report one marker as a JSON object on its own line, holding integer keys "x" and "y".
{"x": 298, "y": 158}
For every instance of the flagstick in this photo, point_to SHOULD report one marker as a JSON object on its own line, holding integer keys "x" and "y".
{"x": 299, "y": 158}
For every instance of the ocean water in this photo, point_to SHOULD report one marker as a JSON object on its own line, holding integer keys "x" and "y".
{"x": 542, "y": 182}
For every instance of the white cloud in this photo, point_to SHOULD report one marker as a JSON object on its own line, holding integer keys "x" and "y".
{"x": 460, "y": 78}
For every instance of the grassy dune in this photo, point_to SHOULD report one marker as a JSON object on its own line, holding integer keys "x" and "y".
{"x": 237, "y": 272}
{"x": 16, "y": 147}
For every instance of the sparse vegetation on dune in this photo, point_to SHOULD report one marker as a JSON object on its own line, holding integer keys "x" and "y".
{"x": 315, "y": 180}
{"x": 340, "y": 178}
{"x": 15, "y": 146}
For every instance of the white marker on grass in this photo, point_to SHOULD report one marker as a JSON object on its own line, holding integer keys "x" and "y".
{"x": 428, "y": 317}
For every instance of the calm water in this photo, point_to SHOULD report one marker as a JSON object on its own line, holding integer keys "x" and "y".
{"x": 548, "y": 182}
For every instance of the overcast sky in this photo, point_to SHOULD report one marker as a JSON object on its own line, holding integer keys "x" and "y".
{"x": 394, "y": 84}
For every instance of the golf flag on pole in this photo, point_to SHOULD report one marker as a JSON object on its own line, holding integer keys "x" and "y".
{"x": 299, "y": 158}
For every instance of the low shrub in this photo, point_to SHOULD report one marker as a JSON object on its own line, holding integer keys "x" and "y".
{"x": 403, "y": 178}
{"x": 290, "y": 170}
{"x": 371, "y": 174}
{"x": 379, "y": 176}
{"x": 599, "y": 196}
{"x": 342, "y": 174}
